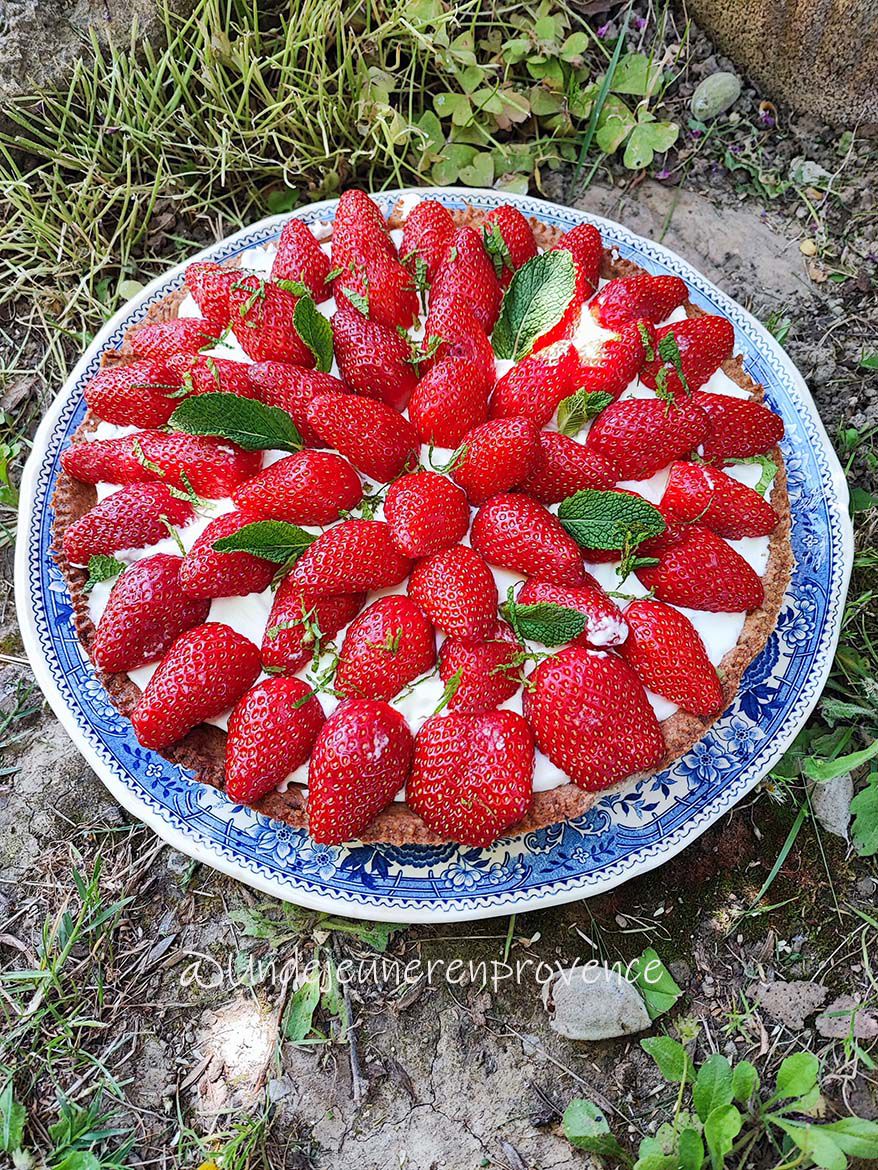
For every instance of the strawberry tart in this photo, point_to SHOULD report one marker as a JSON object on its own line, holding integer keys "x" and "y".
{"x": 423, "y": 529}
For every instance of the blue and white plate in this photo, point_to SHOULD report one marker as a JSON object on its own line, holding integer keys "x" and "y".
{"x": 627, "y": 833}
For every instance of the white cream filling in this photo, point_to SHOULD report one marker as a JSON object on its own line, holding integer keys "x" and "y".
{"x": 249, "y": 615}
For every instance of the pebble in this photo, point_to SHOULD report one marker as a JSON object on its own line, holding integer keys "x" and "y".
{"x": 715, "y": 95}
{"x": 593, "y": 1003}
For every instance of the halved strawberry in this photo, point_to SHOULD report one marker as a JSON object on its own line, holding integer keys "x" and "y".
{"x": 605, "y": 625}
{"x": 133, "y": 517}
{"x": 472, "y": 775}
{"x": 563, "y": 467}
{"x": 426, "y": 512}
{"x": 456, "y": 590}
{"x": 361, "y": 759}
{"x": 271, "y": 733}
{"x": 427, "y": 233}
{"x": 696, "y": 492}
{"x": 378, "y": 441}
{"x": 373, "y": 360}
{"x": 147, "y": 609}
{"x": 162, "y": 340}
{"x": 638, "y": 298}
{"x": 310, "y": 487}
{"x": 497, "y": 455}
{"x": 667, "y": 654}
{"x": 203, "y": 674}
{"x": 467, "y": 272}
{"x": 489, "y": 669}
{"x": 449, "y": 400}
{"x": 738, "y": 427}
{"x": 262, "y": 316}
{"x": 293, "y": 389}
{"x": 388, "y": 646}
{"x": 702, "y": 343}
{"x": 509, "y": 240}
{"x": 698, "y": 570}
{"x": 139, "y": 394}
{"x": 515, "y": 532}
{"x": 298, "y": 620}
{"x": 350, "y": 557}
{"x": 590, "y": 715}
{"x": 300, "y": 258}
{"x": 639, "y": 436}
{"x": 207, "y": 573}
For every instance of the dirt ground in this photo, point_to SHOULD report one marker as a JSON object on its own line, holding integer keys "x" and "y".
{"x": 174, "y": 1010}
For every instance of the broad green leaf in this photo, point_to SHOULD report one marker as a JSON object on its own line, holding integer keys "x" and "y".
{"x": 12, "y": 1119}
{"x": 446, "y": 170}
{"x": 829, "y": 769}
{"x": 651, "y": 1156}
{"x": 575, "y": 46}
{"x": 635, "y": 75}
{"x": 535, "y": 301}
{"x": 657, "y": 986}
{"x": 315, "y": 330}
{"x": 78, "y": 1160}
{"x": 797, "y": 1075}
{"x": 855, "y": 1135}
{"x": 453, "y": 105}
{"x": 720, "y": 1130}
{"x": 690, "y": 1150}
{"x": 614, "y": 125}
{"x": 609, "y": 519}
{"x": 480, "y": 172}
{"x": 713, "y": 1085}
{"x": 815, "y": 1141}
{"x": 864, "y": 828}
{"x": 545, "y": 622}
{"x": 102, "y": 568}
{"x": 274, "y": 540}
{"x": 299, "y": 1015}
{"x": 674, "y": 1062}
{"x": 243, "y": 421}
{"x": 647, "y": 139}
{"x": 745, "y": 1081}
{"x": 586, "y": 1128}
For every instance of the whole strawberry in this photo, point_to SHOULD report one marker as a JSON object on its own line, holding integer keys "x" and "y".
{"x": 451, "y": 331}
{"x": 737, "y": 427}
{"x": 509, "y": 239}
{"x": 590, "y": 715}
{"x": 146, "y": 610}
{"x": 300, "y": 259}
{"x": 299, "y": 619}
{"x": 426, "y": 234}
{"x": 563, "y": 467}
{"x": 497, "y": 455}
{"x": 472, "y": 775}
{"x": 271, "y": 733}
{"x": 373, "y": 360}
{"x": 667, "y": 654}
{"x": 213, "y": 467}
{"x": 535, "y": 387}
{"x": 361, "y": 759}
{"x": 640, "y": 436}
{"x": 200, "y": 373}
{"x": 262, "y": 319}
{"x": 388, "y": 646}
{"x": 133, "y": 517}
{"x": 425, "y": 512}
{"x": 489, "y": 670}
{"x": 204, "y": 673}
{"x": 697, "y": 492}
{"x": 456, "y": 590}
{"x": 379, "y": 442}
{"x": 605, "y": 625}
{"x": 381, "y": 289}
{"x": 698, "y": 570}
{"x": 353, "y": 556}
{"x": 467, "y": 272}
{"x": 310, "y": 487}
{"x": 162, "y": 340}
{"x": 449, "y": 400}
{"x": 584, "y": 244}
{"x": 702, "y": 345}
{"x": 617, "y": 362}
{"x": 209, "y": 284}
{"x": 207, "y": 573}
{"x": 517, "y": 533}
{"x": 638, "y": 298}
{"x": 359, "y": 230}
{"x": 138, "y": 394}
{"x": 293, "y": 389}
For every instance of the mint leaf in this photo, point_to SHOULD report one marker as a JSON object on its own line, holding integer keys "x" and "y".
{"x": 451, "y": 689}
{"x": 580, "y": 408}
{"x": 610, "y": 519}
{"x": 545, "y": 622}
{"x": 497, "y": 248}
{"x": 244, "y": 421}
{"x": 315, "y": 330}
{"x": 273, "y": 540}
{"x": 669, "y": 351}
{"x": 657, "y": 985}
{"x": 713, "y": 1085}
{"x": 769, "y": 471}
{"x": 296, "y": 287}
{"x": 102, "y": 568}
{"x": 586, "y": 1128}
{"x": 536, "y": 300}
{"x": 864, "y": 829}
{"x": 359, "y": 300}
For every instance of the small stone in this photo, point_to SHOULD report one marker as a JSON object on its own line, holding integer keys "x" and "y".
{"x": 845, "y": 1017}
{"x": 593, "y": 1003}
{"x": 831, "y": 804}
{"x": 790, "y": 1002}
{"x": 715, "y": 95}
{"x": 808, "y": 248}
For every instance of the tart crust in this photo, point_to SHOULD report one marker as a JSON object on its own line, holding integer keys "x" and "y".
{"x": 202, "y": 751}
